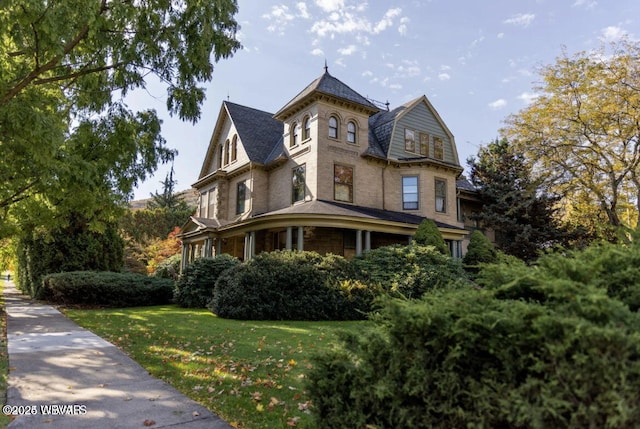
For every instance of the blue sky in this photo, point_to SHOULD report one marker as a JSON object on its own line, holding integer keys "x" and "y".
{"x": 476, "y": 61}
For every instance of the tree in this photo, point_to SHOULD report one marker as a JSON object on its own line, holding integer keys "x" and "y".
{"x": 581, "y": 136}
{"x": 428, "y": 234}
{"x": 522, "y": 217}
{"x": 69, "y": 141}
{"x": 480, "y": 251}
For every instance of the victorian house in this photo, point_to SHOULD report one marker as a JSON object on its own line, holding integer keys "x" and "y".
{"x": 330, "y": 172}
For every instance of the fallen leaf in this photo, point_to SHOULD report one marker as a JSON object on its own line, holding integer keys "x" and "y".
{"x": 195, "y": 414}
{"x": 260, "y": 407}
{"x": 149, "y": 422}
{"x": 293, "y": 421}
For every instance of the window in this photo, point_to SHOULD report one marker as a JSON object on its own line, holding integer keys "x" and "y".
{"x": 203, "y": 204}
{"x": 295, "y": 134}
{"x": 441, "y": 195}
{"x": 410, "y": 193}
{"x": 234, "y": 149}
{"x": 424, "y": 144}
{"x": 226, "y": 152}
{"x": 241, "y": 197}
{"x": 306, "y": 133}
{"x": 333, "y": 127}
{"x": 220, "y": 155}
{"x": 409, "y": 140}
{"x": 211, "y": 213}
{"x": 351, "y": 132}
{"x": 343, "y": 183}
{"x": 298, "y": 188}
{"x": 438, "y": 148}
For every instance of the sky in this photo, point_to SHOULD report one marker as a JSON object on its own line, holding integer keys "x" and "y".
{"x": 476, "y": 61}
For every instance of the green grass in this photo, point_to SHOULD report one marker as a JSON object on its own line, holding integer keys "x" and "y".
{"x": 252, "y": 374}
{"x": 4, "y": 357}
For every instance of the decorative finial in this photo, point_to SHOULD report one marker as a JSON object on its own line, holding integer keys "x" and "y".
{"x": 326, "y": 67}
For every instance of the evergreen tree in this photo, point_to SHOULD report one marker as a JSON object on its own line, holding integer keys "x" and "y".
{"x": 428, "y": 234}
{"x": 523, "y": 219}
{"x": 480, "y": 251}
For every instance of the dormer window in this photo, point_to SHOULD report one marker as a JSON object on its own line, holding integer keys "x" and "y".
{"x": 351, "y": 132}
{"x": 333, "y": 127}
{"x": 306, "y": 133}
{"x": 295, "y": 134}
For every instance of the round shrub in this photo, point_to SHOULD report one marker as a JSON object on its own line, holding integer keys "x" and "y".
{"x": 469, "y": 358}
{"x": 480, "y": 251}
{"x": 282, "y": 285}
{"x": 194, "y": 288}
{"x": 406, "y": 271}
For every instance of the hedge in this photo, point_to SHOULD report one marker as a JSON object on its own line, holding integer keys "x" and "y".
{"x": 194, "y": 288}
{"x": 107, "y": 289}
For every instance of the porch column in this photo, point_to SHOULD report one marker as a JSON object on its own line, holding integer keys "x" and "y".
{"x": 192, "y": 252}
{"x": 300, "y": 238}
{"x": 367, "y": 240}
{"x": 185, "y": 257}
{"x": 247, "y": 245}
{"x": 289, "y": 244}
{"x": 359, "y": 242}
{"x": 252, "y": 244}
{"x": 218, "y": 246}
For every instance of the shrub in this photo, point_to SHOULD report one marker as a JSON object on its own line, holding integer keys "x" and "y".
{"x": 169, "y": 268}
{"x": 487, "y": 359}
{"x": 480, "y": 251}
{"x": 428, "y": 234}
{"x": 284, "y": 285}
{"x": 107, "y": 289}
{"x": 73, "y": 247}
{"x": 194, "y": 288}
{"x": 406, "y": 271}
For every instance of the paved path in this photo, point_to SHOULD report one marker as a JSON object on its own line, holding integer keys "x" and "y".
{"x": 52, "y": 361}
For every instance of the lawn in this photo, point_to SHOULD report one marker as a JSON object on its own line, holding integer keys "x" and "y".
{"x": 250, "y": 373}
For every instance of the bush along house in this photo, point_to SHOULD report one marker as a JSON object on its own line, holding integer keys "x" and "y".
{"x": 329, "y": 172}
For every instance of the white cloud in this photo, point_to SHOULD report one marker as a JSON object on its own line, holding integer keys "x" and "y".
{"x": 588, "y": 4}
{"x": 500, "y": 35}
{"x": 498, "y": 104}
{"x": 317, "y": 52}
{"x": 612, "y": 34}
{"x": 330, "y": 5}
{"x": 528, "y": 97}
{"x": 279, "y": 17}
{"x": 444, "y": 76}
{"x": 387, "y": 20}
{"x": 402, "y": 28}
{"x": 445, "y": 67}
{"x": 303, "y": 12}
{"x": 367, "y": 73}
{"x": 349, "y": 50}
{"x": 521, "y": 19}
{"x": 346, "y": 20}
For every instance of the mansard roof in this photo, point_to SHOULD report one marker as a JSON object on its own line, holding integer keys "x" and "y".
{"x": 325, "y": 85}
{"x": 259, "y": 132}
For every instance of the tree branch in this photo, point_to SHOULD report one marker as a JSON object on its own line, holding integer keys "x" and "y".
{"x": 49, "y": 65}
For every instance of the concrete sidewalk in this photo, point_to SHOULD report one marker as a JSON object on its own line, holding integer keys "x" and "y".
{"x": 54, "y": 362}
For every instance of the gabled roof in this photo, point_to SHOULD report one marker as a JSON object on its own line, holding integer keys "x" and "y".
{"x": 381, "y": 126}
{"x": 328, "y": 85}
{"x": 258, "y": 130}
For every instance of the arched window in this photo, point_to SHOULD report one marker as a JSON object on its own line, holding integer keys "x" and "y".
{"x": 220, "y": 155}
{"x": 351, "y": 132}
{"x": 295, "y": 134}
{"x": 234, "y": 148}
{"x": 333, "y": 127}
{"x": 306, "y": 131}
{"x": 226, "y": 152}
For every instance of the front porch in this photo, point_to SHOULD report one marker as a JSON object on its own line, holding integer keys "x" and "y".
{"x": 322, "y": 227}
